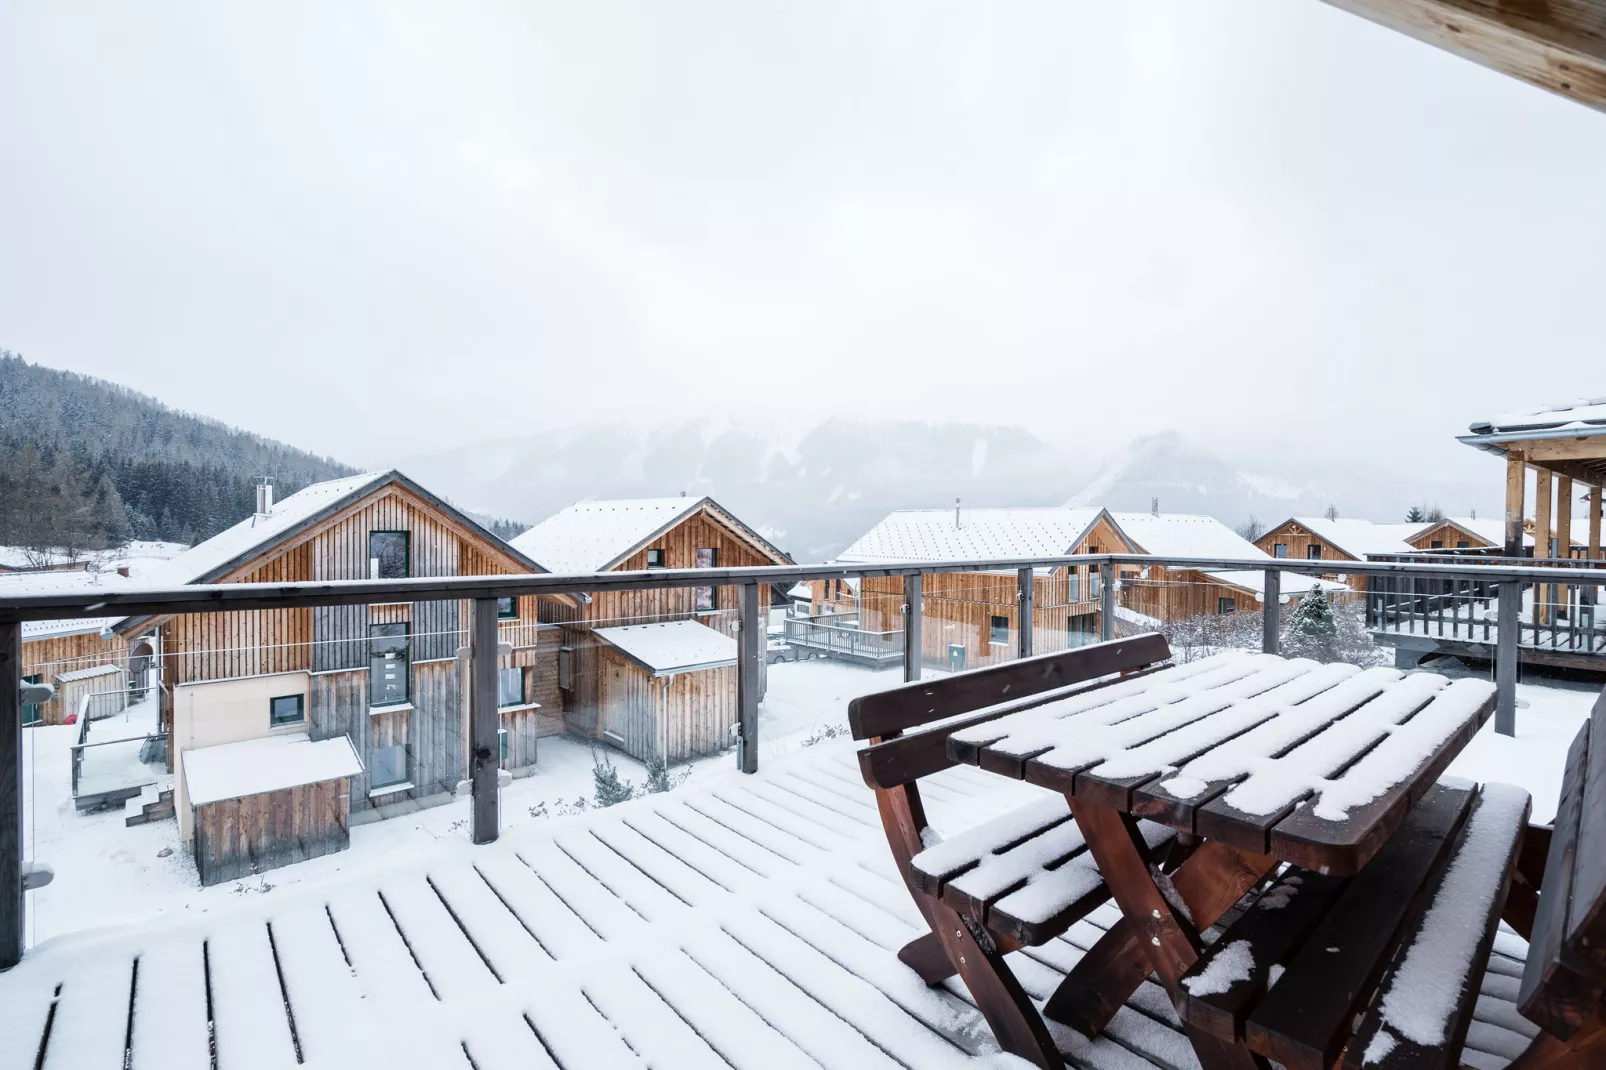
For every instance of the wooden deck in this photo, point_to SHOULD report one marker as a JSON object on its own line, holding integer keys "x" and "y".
{"x": 736, "y": 922}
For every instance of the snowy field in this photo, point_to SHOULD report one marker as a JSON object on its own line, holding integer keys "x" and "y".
{"x": 108, "y": 874}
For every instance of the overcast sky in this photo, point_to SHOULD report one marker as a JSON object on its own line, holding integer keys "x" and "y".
{"x": 375, "y": 231}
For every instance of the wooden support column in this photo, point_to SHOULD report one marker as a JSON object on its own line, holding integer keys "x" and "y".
{"x": 12, "y": 931}
{"x": 1107, "y": 601}
{"x": 749, "y": 649}
{"x": 1271, "y": 613}
{"x": 483, "y": 720}
{"x": 911, "y": 627}
{"x": 1543, "y": 592}
{"x": 1508, "y": 626}
{"x": 1024, "y": 598}
{"x": 1564, "y": 533}
{"x": 1516, "y": 491}
{"x": 1595, "y": 496}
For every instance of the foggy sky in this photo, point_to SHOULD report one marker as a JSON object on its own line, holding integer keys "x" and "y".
{"x": 372, "y": 231}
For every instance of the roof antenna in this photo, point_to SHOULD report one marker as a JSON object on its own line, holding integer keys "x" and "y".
{"x": 1154, "y": 506}
{"x": 956, "y": 515}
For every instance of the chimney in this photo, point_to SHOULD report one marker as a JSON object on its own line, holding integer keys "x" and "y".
{"x": 264, "y": 497}
{"x": 957, "y": 525}
{"x": 1154, "y": 506}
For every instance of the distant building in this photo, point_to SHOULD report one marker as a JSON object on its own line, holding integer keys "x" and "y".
{"x": 1316, "y": 538}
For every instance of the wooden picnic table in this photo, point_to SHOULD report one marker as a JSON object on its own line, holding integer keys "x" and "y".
{"x": 1256, "y": 760}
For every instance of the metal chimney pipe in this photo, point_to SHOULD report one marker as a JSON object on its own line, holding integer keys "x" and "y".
{"x": 957, "y": 525}
{"x": 264, "y": 498}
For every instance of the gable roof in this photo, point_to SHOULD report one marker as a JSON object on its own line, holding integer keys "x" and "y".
{"x": 978, "y": 535}
{"x": 673, "y": 646}
{"x": 1491, "y": 530}
{"x": 1190, "y": 535}
{"x": 595, "y": 536}
{"x": 1357, "y": 538}
{"x": 260, "y": 534}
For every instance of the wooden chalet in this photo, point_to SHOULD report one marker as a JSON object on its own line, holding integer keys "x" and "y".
{"x": 638, "y": 693}
{"x": 386, "y": 677}
{"x": 1316, "y": 538}
{"x": 973, "y": 618}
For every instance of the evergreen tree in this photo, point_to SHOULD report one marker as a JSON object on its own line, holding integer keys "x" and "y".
{"x": 610, "y": 789}
{"x": 1414, "y": 515}
{"x": 1310, "y": 630}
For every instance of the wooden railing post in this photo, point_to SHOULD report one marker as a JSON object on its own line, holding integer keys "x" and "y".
{"x": 483, "y": 719}
{"x": 1024, "y": 596}
{"x": 911, "y": 627}
{"x": 11, "y": 894}
{"x": 1508, "y": 609}
{"x": 749, "y": 648}
{"x": 1271, "y": 615}
{"x": 1107, "y": 600}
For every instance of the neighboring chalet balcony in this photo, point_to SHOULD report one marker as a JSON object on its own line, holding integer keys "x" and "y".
{"x": 838, "y": 635}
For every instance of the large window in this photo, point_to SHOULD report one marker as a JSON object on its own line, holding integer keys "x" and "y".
{"x": 30, "y": 710}
{"x": 998, "y": 631}
{"x": 387, "y": 664}
{"x": 387, "y": 766}
{"x": 1279, "y": 549}
{"x": 1075, "y": 592}
{"x": 1225, "y": 606}
{"x": 510, "y": 687}
{"x": 286, "y": 710}
{"x": 507, "y": 609}
{"x": 389, "y": 555}
{"x": 1313, "y": 552}
{"x": 1095, "y": 582}
{"x": 565, "y": 668}
{"x": 707, "y": 598}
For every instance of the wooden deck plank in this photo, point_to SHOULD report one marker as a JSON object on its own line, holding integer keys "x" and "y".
{"x": 91, "y": 1018}
{"x": 252, "y": 1029}
{"x": 456, "y": 967}
{"x": 170, "y": 1030}
{"x": 518, "y": 956}
{"x": 385, "y": 968}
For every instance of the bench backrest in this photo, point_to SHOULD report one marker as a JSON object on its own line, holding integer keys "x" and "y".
{"x": 887, "y": 713}
{"x": 1565, "y": 977}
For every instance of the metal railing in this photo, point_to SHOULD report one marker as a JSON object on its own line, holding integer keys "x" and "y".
{"x": 484, "y": 721}
{"x": 839, "y": 635}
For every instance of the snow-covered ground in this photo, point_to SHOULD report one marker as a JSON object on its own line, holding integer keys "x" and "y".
{"x": 109, "y": 874}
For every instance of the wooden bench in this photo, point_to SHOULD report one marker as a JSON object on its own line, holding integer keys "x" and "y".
{"x": 1018, "y": 880}
{"x": 1383, "y": 970}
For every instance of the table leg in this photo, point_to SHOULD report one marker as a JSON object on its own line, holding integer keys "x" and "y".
{"x": 1212, "y": 879}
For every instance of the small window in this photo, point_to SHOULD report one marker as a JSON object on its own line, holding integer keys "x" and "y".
{"x": 389, "y": 555}
{"x": 1095, "y": 582}
{"x": 1436, "y": 544}
{"x": 565, "y": 669}
{"x": 507, "y": 609}
{"x": 510, "y": 687}
{"x": 998, "y": 631}
{"x": 501, "y": 744}
{"x": 1462, "y": 544}
{"x": 1279, "y": 549}
{"x": 387, "y": 766}
{"x": 1092, "y": 550}
{"x": 285, "y": 710}
{"x": 1074, "y": 594}
{"x": 1313, "y": 552}
{"x": 655, "y": 559}
{"x": 1225, "y": 606}
{"x": 706, "y": 598}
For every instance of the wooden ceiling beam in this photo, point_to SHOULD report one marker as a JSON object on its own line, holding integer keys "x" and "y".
{"x": 1566, "y": 449}
{"x": 1559, "y": 45}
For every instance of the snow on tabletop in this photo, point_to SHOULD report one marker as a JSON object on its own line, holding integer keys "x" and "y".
{"x": 272, "y": 763}
{"x": 673, "y": 646}
{"x": 589, "y": 536}
{"x": 1233, "y": 963}
{"x": 1049, "y": 893}
{"x": 978, "y": 535}
{"x": 1423, "y": 993}
{"x": 970, "y": 846}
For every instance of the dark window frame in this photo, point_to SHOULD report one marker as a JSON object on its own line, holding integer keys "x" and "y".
{"x": 706, "y": 599}
{"x": 507, "y": 608}
{"x": 407, "y": 662}
{"x": 655, "y": 557}
{"x": 995, "y": 625}
{"x": 275, "y": 721}
{"x": 376, "y": 562}
{"x": 1279, "y": 550}
{"x": 1225, "y": 605}
{"x": 1313, "y": 552}
{"x": 502, "y": 675}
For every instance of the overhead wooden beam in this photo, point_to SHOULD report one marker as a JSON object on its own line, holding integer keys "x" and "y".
{"x": 1559, "y": 45}
{"x": 1566, "y": 449}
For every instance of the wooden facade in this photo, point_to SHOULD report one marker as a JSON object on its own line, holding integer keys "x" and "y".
{"x": 47, "y": 657}
{"x": 239, "y": 837}
{"x": 598, "y": 693}
{"x": 677, "y": 717}
{"x": 1297, "y": 543}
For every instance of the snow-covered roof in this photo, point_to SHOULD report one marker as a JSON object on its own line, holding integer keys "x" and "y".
{"x": 979, "y": 535}
{"x": 16, "y": 584}
{"x": 800, "y": 591}
{"x": 1491, "y": 530}
{"x": 271, "y": 763}
{"x": 594, "y": 536}
{"x": 206, "y": 559}
{"x": 1184, "y": 535}
{"x": 673, "y": 646}
{"x": 1585, "y": 416}
{"x": 87, "y": 674}
{"x": 1357, "y": 538}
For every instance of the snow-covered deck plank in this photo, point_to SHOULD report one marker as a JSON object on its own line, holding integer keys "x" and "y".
{"x": 735, "y": 922}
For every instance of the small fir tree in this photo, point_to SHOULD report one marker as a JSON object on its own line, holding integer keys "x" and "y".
{"x": 1414, "y": 515}
{"x": 1311, "y": 630}
{"x": 611, "y": 790}
{"x": 657, "y": 775}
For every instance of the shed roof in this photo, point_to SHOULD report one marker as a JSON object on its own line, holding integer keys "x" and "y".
{"x": 972, "y": 535}
{"x": 673, "y": 646}
{"x": 595, "y": 536}
{"x": 87, "y": 674}
{"x": 271, "y": 763}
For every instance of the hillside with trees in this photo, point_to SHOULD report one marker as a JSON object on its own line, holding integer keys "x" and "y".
{"x": 86, "y": 464}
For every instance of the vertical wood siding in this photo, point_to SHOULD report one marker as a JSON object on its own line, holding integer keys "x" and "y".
{"x": 238, "y": 837}
{"x": 48, "y": 658}
{"x": 637, "y": 711}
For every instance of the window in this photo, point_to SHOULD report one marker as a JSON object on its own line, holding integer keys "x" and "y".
{"x": 501, "y": 744}
{"x": 1313, "y": 552}
{"x": 1462, "y": 544}
{"x": 389, "y": 555}
{"x": 1095, "y": 582}
{"x": 998, "y": 631}
{"x": 1225, "y": 606}
{"x": 1279, "y": 549}
{"x": 707, "y": 598}
{"x": 1436, "y": 544}
{"x": 1074, "y": 594}
{"x": 565, "y": 669}
{"x": 655, "y": 559}
{"x": 387, "y": 664}
{"x": 510, "y": 687}
{"x": 387, "y": 766}
{"x": 286, "y": 709}
{"x": 507, "y": 609}
{"x": 30, "y": 710}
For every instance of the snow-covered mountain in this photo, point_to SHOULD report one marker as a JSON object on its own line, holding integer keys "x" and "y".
{"x": 814, "y": 489}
